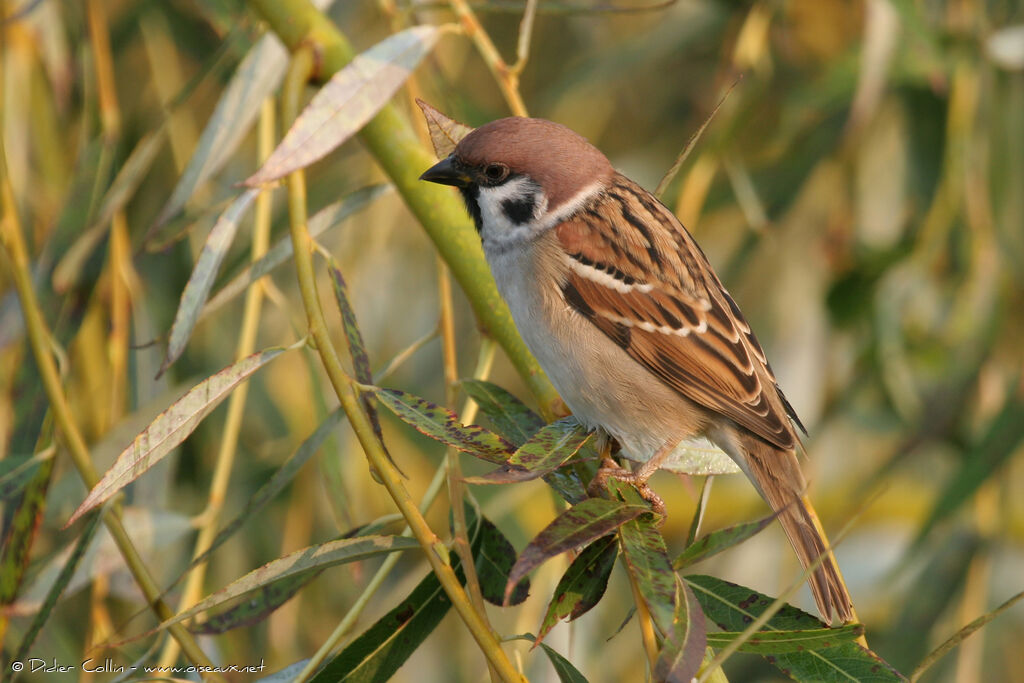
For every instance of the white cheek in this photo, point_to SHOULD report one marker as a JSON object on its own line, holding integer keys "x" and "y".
{"x": 497, "y": 230}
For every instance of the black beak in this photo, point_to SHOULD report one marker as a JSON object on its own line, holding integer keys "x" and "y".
{"x": 446, "y": 172}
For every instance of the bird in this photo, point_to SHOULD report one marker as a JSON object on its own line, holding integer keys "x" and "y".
{"x": 625, "y": 314}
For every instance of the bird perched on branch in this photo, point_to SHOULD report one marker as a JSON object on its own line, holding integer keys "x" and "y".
{"x": 626, "y": 316}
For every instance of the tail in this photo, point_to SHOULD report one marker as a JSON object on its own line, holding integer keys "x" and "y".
{"x": 776, "y": 473}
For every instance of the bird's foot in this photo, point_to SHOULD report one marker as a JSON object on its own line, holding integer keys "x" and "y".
{"x": 612, "y": 470}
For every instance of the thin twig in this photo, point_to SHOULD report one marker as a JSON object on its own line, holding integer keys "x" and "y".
{"x": 525, "y": 36}
{"x": 507, "y": 81}
{"x": 692, "y": 142}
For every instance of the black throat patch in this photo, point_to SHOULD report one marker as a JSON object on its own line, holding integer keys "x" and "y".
{"x": 470, "y": 194}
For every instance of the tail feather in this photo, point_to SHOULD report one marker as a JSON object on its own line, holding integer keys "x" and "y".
{"x": 777, "y": 475}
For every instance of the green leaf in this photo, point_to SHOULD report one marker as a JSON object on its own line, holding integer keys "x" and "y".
{"x": 567, "y": 673}
{"x": 927, "y": 598}
{"x": 322, "y": 221}
{"x": 643, "y": 549}
{"x": 961, "y": 635}
{"x": 543, "y": 453}
{"x": 780, "y": 642}
{"x": 348, "y": 101}
{"x": 441, "y": 424}
{"x": 493, "y": 562}
{"x": 256, "y": 79}
{"x": 63, "y": 578}
{"x": 172, "y": 427}
{"x": 300, "y": 562}
{"x": 577, "y": 526}
{"x": 258, "y": 606}
{"x": 19, "y": 470}
{"x": 271, "y": 487}
{"x": 511, "y": 417}
{"x": 717, "y": 541}
{"x": 382, "y": 649}
{"x": 978, "y": 465}
{"x": 201, "y": 280}
{"x": 732, "y": 607}
{"x": 583, "y": 584}
{"x": 683, "y": 652}
{"x": 23, "y": 523}
{"x": 357, "y": 351}
{"x": 134, "y": 169}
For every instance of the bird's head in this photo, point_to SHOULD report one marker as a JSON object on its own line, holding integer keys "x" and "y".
{"x": 522, "y": 176}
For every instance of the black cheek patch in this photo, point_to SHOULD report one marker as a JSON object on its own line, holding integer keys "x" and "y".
{"x": 519, "y": 210}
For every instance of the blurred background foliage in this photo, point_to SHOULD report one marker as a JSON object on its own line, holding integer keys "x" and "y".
{"x": 860, "y": 191}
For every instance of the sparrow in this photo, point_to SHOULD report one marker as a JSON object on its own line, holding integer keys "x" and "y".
{"x": 628, "y": 319}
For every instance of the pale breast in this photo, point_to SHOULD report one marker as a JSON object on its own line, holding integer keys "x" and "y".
{"x": 599, "y": 382}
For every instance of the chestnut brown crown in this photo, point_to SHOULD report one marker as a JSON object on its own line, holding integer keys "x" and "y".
{"x": 557, "y": 158}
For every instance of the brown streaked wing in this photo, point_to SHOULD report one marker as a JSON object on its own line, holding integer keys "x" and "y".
{"x": 717, "y": 363}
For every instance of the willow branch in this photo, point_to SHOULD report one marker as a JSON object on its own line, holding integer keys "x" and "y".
{"x": 392, "y": 141}
{"x": 348, "y": 394}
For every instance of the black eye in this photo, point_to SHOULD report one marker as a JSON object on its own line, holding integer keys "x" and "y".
{"x": 496, "y": 172}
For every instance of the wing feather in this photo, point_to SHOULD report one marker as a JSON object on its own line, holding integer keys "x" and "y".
{"x": 648, "y": 287}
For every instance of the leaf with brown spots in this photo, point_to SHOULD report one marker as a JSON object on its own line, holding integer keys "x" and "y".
{"x": 683, "y": 652}
{"x": 734, "y": 607}
{"x": 583, "y": 584}
{"x": 579, "y": 525}
{"x": 720, "y": 540}
{"x": 543, "y": 453}
{"x": 441, "y": 424}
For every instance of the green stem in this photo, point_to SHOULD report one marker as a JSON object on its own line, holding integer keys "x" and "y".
{"x": 347, "y": 392}
{"x": 392, "y": 141}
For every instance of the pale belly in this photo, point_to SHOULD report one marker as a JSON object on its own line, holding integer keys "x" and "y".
{"x": 600, "y": 383}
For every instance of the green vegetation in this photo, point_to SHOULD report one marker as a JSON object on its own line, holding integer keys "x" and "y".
{"x": 193, "y": 215}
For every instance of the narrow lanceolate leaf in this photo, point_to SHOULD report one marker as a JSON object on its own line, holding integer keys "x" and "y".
{"x": 567, "y": 673}
{"x": 172, "y": 427}
{"x": 543, "y": 453}
{"x": 22, "y": 527}
{"x": 322, "y": 221}
{"x": 720, "y": 540}
{"x": 53, "y": 595}
{"x": 996, "y": 447}
{"x": 683, "y": 652}
{"x": 441, "y": 424}
{"x": 445, "y": 132}
{"x": 135, "y": 167}
{"x": 357, "y": 351}
{"x": 493, "y": 560}
{"x": 351, "y": 98}
{"x": 259, "y": 605}
{"x": 733, "y": 607}
{"x": 201, "y": 280}
{"x": 380, "y": 650}
{"x": 780, "y": 642}
{"x": 18, "y": 471}
{"x": 314, "y": 557}
{"x": 579, "y": 525}
{"x": 551, "y": 446}
{"x": 256, "y": 79}
{"x": 510, "y": 416}
{"x": 583, "y": 584}
{"x": 643, "y": 549}
{"x": 961, "y": 635}
{"x": 272, "y": 487}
